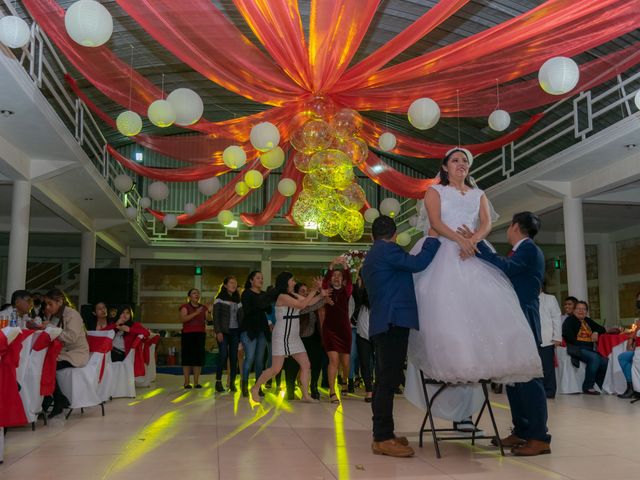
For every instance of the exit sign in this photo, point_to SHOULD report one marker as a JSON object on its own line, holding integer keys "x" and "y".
{"x": 198, "y": 271}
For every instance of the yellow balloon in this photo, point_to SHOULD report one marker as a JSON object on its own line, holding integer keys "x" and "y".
{"x": 317, "y": 134}
{"x": 242, "y": 189}
{"x": 329, "y": 223}
{"x": 351, "y": 226}
{"x": 305, "y": 209}
{"x": 253, "y": 179}
{"x": 225, "y": 217}
{"x": 273, "y": 158}
{"x": 352, "y": 197}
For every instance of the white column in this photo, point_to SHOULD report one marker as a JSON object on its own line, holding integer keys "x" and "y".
{"x": 87, "y": 261}
{"x": 574, "y": 248}
{"x": 19, "y": 236}
{"x": 125, "y": 261}
{"x": 265, "y": 267}
{"x": 608, "y": 281}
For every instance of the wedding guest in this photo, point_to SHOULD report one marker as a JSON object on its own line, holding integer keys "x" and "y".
{"x": 336, "y": 327}
{"x": 99, "y": 320}
{"x": 226, "y": 323}
{"x": 75, "y": 349}
{"x": 193, "y": 316}
{"x": 567, "y": 307}
{"x": 22, "y": 304}
{"x": 254, "y": 329}
{"x": 271, "y": 320}
{"x": 580, "y": 333}
{"x": 365, "y": 347}
{"x": 551, "y": 331}
{"x": 625, "y": 359}
{"x": 126, "y": 332}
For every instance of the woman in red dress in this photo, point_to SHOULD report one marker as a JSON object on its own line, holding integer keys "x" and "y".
{"x": 336, "y": 327}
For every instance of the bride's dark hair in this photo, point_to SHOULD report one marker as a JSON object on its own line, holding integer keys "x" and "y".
{"x": 444, "y": 176}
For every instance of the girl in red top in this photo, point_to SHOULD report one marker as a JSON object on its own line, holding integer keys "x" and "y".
{"x": 126, "y": 332}
{"x": 336, "y": 327}
{"x": 193, "y": 316}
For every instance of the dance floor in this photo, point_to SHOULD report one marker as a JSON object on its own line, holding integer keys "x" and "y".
{"x": 171, "y": 433}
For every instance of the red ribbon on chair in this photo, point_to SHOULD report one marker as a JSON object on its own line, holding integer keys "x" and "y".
{"x": 11, "y": 408}
{"x": 100, "y": 345}
{"x": 138, "y": 356}
{"x": 42, "y": 342}
{"x": 48, "y": 380}
{"x": 153, "y": 340}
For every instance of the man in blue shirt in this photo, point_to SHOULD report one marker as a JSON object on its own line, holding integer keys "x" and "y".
{"x": 388, "y": 277}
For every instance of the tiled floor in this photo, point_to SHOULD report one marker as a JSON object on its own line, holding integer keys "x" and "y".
{"x": 166, "y": 433}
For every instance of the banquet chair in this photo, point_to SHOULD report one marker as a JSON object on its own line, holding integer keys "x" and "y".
{"x": 9, "y": 335}
{"x": 123, "y": 383}
{"x": 568, "y": 377}
{"x": 150, "y": 365}
{"x": 105, "y": 381}
{"x": 635, "y": 371}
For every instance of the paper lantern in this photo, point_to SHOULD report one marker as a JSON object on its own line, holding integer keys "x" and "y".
{"x": 170, "y": 220}
{"x": 423, "y": 113}
{"x": 413, "y": 220}
{"x": 241, "y": 188}
{"x": 234, "y": 156}
{"x": 14, "y": 31}
{"x": 158, "y": 191}
{"x": 636, "y": 99}
{"x": 316, "y": 135}
{"x": 253, "y": 179}
{"x": 287, "y": 187}
{"x": 387, "y": 141}
{"x": 499, "y": 120}
{"x": 346, "y": 123}
{"x": 187, "y": 104}
{"x": 209, "y": 186}
{"x": 403, "y": 239}
{"x": 370, "y": 214}
{"x": 145, "y": 202}
{"x": 390, "y": 207}
{"x": 161, "y": 113}
{"x": 351, "y": 226}
{"x": 225, "y": 217}
{"x": 273, "y": 158}
{"x": 132, "y": 212}
{"x": 123, "y": 182}
{"x": 558, "y": 75}
{"x": 190, "y": 208}
{"x": 88, "y": 23}
{"x": 129, "y": 123}
{"x": 264, "y": 136}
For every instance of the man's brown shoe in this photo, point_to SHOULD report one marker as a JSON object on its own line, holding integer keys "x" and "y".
{"x": 393, "y": 448}
{"x": 509, "y": 442}
{"x": 532, "y": 448}
{"x": 402, "y": 441}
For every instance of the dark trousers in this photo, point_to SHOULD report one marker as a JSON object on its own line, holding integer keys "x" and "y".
{"x": 596, "y": 368}
{"x": 528, "y": 404}
{"x": 228, "y": 349}
{"x": 390, "y": 350}
{"x": 313, "y": 346}
{"x": 365, "y": 355}
{"x": 547, "y": 355}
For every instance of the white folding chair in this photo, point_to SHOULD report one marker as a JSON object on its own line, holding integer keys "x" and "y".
{"x": 123, "y": 383}
{"x": 614, "y": 381}
{"x": 150, "y": 368}
{"x": 635, "y": 370}
{"x": 568, "y": 377}
{"x": 105, "y": 385}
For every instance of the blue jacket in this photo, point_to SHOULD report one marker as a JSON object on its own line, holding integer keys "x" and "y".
{"x": 525, "y": 269}
{"x": 388, "y": 277}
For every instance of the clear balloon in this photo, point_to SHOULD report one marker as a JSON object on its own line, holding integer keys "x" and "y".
{"x": 355, "y": 148}
{"x": 352, "y": 197}
{"x": 351, "y": 226}
{"x": 322, "y": 107}
{"x": 329, "y": 223}
{"x": 301, "y": 161}
{"x": 346, "y": 123}
{"x": 317, "y": 134}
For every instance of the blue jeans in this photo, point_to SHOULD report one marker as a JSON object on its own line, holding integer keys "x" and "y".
{"x": 596, "y": 368}
{"x": 253, "y": 353}
{"x": 228, "y": 348}
{"x": 625, "y": 359}
{"x": 353, "y": 359}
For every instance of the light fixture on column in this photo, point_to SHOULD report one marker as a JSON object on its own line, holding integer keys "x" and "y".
{"x": 231, "y": 229}
{"x": 310, "y": 230}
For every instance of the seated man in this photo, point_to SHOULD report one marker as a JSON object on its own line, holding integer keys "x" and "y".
{"x": 22, "y": 304}
{"x": 581, "y": 333}
{"x": 625, "y": 359}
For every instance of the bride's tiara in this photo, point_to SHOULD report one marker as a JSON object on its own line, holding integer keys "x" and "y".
{"x": 467, "y": 153}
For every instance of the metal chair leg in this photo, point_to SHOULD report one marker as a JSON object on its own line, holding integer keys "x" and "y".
{"x": 68, "y": 413}
{"x": 493, "y": 420}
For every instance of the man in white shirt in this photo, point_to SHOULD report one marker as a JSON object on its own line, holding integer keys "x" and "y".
{"x": 551, "y": 330}
{"x": 22, "y": 303}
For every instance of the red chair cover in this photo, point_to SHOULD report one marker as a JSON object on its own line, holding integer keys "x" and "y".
{"x": 101, "y": 345}
{"x": 42, "y": 342}
{"x": 48, "y": 380}
{"x": 11, "y": 408}
{"x": 607, "y": 342}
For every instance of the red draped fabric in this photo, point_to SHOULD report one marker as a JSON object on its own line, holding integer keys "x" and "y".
{"x": 394, "y": 181}
{"x": 48, "y": 379}
{"x": 138, "y": 360}
{"x": 11, "y": 408}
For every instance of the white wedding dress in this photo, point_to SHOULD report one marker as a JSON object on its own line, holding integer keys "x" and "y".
{"x": 471, "y": 323}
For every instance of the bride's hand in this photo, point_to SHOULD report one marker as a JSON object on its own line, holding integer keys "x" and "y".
{"x": 467, "y": 246}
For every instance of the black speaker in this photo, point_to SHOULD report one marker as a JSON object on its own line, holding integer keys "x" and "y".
{"x": 111, "y": 285}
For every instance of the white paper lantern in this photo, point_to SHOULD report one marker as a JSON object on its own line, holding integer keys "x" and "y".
{"x": 499, "y": 120}
{"x": 636, "y": 99}
{"x": 161, "y": 113}
{"x": 413, "y": 220}
{"x": 88, "y": 23}
{"x": 559, "y": 75}
{"x": 209, "y": 186}
{"x": 170, "y": 221}
{"x": 264, "y": 136}
{"x": 129, "y": 123}
{"x": 370, "y": 214}
{"x": 132, "y": 212}
{"x": 403, "y": 239}
{"x": 123, "y": 182}
{"x": 390, "y": 207}
{"x": 423, "y": 113}
{"x": 234, "y": 156}
{"x": 225, "y": 217}
{"x": 158, "y": 191}
{"x": 273, "y": 158}
{"x": 145, "y": 202}
{"x": 287, "y": 187}
{"x": 387, "y": 141}
{"x": 14, "y": 31}
{"x": 189, "y": 208}
{"x": 187, "y": 104}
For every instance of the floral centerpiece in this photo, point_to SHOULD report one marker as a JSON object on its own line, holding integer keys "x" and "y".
{"x": 354, "y": 259}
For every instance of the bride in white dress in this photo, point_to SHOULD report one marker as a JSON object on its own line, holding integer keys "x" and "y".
{"x": 471, "y": 323}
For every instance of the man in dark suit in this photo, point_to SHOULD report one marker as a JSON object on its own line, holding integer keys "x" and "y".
{"x": 525, "y": 268}
{"x": 387, "y": 273}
